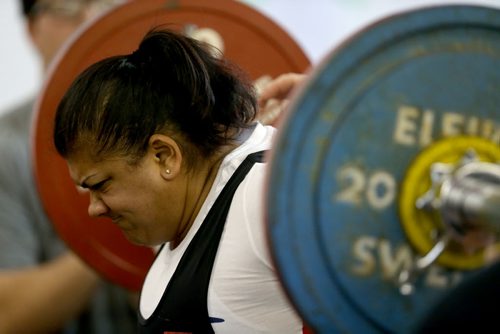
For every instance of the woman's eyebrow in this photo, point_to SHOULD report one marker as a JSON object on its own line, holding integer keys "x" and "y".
{"x": 83, "y": 183}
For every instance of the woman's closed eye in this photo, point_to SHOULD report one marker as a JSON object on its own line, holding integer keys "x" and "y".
{"x": 99, "y": 186}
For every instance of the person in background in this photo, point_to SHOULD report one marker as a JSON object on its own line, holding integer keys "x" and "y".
{"x": 165, "y": 142}
{"x": 44, "y": 287}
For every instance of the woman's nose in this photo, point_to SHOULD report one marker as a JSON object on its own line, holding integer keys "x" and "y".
{"x": 97, "y": 207}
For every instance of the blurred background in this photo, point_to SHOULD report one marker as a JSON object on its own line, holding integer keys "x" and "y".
{"x": 317, "y": 25}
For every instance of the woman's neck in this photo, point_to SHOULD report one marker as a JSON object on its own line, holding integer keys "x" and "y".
{"x": 197, "y": 188}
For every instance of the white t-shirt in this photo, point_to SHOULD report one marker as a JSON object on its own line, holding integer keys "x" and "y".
{"x": 244, "y": 289}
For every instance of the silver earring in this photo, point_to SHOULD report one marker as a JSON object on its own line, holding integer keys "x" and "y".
{"x": 167, "y": 171}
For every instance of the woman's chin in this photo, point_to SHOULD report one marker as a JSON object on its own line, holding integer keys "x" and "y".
{"x": 134, "y": 238}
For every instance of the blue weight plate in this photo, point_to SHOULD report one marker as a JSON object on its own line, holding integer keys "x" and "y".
{"x": 352, "y": 131}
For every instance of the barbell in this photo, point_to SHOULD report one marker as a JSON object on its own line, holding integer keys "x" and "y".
{"x": 383, "y": 187}
{"x": 384, "y": 184}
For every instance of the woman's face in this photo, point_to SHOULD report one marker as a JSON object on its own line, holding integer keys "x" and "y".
{"x": 147, "y": 206}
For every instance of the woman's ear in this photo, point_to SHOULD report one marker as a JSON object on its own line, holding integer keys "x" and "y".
{"x": 167, "y": 155}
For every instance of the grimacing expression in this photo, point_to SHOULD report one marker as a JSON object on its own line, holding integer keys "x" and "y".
{"x": 135, "y": 197}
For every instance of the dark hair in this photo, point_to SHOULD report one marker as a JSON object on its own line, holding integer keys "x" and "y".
{"x": 172, "y": 84}
{"x": 27, "y": 5}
